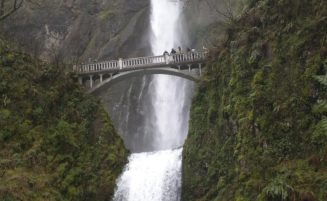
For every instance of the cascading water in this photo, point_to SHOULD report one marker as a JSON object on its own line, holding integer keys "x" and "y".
{"x": 156, "y": 176}
{"x": 152, "y": 176}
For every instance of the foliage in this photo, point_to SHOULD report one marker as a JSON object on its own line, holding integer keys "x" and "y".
{"x": 319, "y": 137}
{"x": 258, "y": 121}
{"x": 56, "y": 142}
{"x": 277, "y": 190}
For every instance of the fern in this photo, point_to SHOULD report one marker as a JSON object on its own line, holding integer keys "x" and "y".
{"x": 320, "y": 107}
{"x": 277, "y": 189}
{"x": 322, "y": 79}
{"x": 319, "y": 136}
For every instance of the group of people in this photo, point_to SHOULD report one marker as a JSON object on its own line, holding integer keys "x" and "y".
{"x": 179, "y": 51}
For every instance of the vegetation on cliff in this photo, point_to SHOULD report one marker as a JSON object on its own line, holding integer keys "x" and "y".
{"x": 56, "y": 142}
{"x": 258, "y": 125}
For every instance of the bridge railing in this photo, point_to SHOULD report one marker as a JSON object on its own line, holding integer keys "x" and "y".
{"x": 187, "y": 57}
{"x": 140, "y": 62}
{"x": 100, "y": 66}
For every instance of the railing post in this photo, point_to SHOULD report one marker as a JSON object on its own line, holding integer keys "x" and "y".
{"x": 179, "y": 67}
{"x": 200, "y": 68}
{"x": 80, "y": 80}
{"x": 91, "y": 81}
{"x": 120, "y": 63}
{"x": 189, "y": 67}
{"x": 100, "y": 78}
{"x": 166, "y": 55}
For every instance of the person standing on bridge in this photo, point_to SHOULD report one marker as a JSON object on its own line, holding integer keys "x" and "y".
{"x": 193, "y": 51}
{"x": 166, "y": 56}
{"x": 173, "y": 51}
{"x": 179, "y": 50}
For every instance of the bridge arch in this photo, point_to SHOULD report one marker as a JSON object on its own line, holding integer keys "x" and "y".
{"x": 107, "y": 73}
{"x": 109, "y": 81}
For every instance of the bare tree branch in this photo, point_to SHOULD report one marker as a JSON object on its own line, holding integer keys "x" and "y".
{"x": 229, "y": 15}
{"x": 15, "y": 6}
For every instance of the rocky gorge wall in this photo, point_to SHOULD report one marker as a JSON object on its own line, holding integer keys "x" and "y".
{"x": 80, "y": 29}
{"x": 258, "y": 120}
{"x": 206, "y": 20}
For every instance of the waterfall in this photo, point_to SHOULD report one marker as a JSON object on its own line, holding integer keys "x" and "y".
{"x": 152, "y": 176}
{"x": 156, "y": 176}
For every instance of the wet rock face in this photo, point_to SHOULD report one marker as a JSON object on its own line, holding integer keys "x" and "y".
{"x": 81, "y": 29}
{"x": 128, "y": 102}
{"x": 205, "y": 19}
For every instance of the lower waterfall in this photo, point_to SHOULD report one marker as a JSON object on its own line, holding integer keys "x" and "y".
{"x": 151, "y": 176}
{"x": 156, "y": 176}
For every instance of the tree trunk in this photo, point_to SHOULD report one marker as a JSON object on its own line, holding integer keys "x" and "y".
{"x": 2, "y": 7}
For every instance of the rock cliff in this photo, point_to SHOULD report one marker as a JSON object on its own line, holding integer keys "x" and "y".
{"x": 77, "y": 30}
{"x": 258, "y": 121}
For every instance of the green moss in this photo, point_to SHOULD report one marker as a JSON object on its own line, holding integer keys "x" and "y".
{"x": 257, "y": 124}
{"x": 106, "y": 14}
{"x": 56, "y": 142}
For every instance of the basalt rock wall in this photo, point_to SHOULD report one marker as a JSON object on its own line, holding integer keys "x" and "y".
{"x": 80, "y": 29}
{"x": 258, "y": 120}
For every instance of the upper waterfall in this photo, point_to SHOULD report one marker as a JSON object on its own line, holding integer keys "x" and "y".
{"x": 164, "y": 23}
{"x": 168, "y": 93}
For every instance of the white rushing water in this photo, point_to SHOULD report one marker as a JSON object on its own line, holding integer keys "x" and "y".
{"x": 156, "y": 176}
{"x": 153, "y": 176}
{"x": 168, "y": 93}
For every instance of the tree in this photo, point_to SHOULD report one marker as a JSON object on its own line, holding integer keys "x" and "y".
{"x": 227, "y": 13}
{"x": 225, "y": 10}
{"x": 8, "y": 7}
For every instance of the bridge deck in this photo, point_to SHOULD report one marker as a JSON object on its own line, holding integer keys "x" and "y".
{"x": 121, "y": 65}
{"x": 101, "y": 73}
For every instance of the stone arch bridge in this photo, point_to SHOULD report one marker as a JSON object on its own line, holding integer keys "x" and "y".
{"x": 101, "y": 74}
